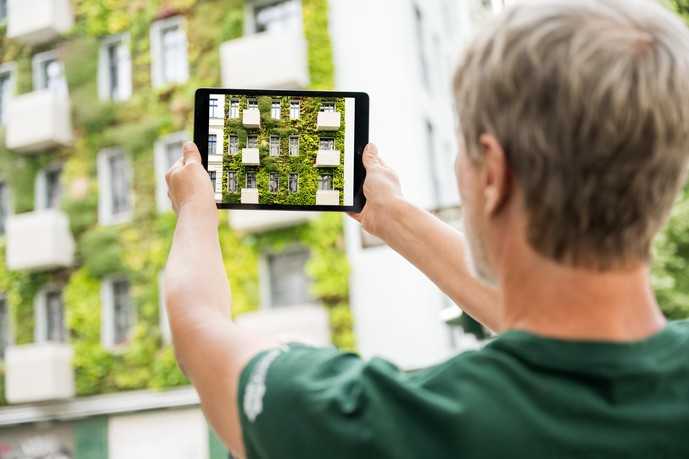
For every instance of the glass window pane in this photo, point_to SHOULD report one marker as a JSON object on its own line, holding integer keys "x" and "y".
{"x": 119, "y": 183}
{"x": 213, "y": 108}
{"x": 251, "y": 180}
{"x": 54, "y": 316}
{"x": 293, "y": 183}
{"x": 294, "y": 109}
{"x": 212, "y": 142}
{"x": 252, "y": 141}
{"x": 4, "y": 326}
{"x": 327, "y": 144}
{"x": 52, "y": 188}
{"x": 113, "y": 70}
{"x": 234, "y": 108}
{"x": 122, "y": 311}
{"x": 274, "y": 145}
{"x": 232, "y": 181}
{"x": 277, "y": 16}
{"x": 289, "y": 283}
{"x": 5, "y": 94}
{"x": 172, "y": 39}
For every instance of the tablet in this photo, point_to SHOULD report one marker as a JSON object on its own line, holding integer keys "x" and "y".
{"x": 283, "y": 150}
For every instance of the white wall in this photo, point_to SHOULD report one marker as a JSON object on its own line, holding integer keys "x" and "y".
{"x": 396, "y": 309}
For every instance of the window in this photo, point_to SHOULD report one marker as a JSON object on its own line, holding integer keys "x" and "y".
{"x": 115, "y": 200}
{"x": 212, "y": 143}
{"x": 325, "y": 182}
{"x": 327, "y": 143}
{"x": 4, "y": 206}
{"x": 294, "y": 109}
{"x": 48, "y": 72}
{"x": 4, "y": 326}
{"x": 279, "y": 16}
{"x": 293, "y": 183}
{"x": 252, "y": 141}
{"x": 50, "y": 316}
{"x": 3, "y": 11}
{"x": 294, "y": 145}
{"x": 421, "y": 46}
{"x": 433, "y": 162}
{"x": 273, "y": 182}
{"x": 214, "y": 110}
{"x": 115, "y": 69}
{"x": 251, "y": 179}
{"x": 6, "y": 89}
{"x": 274, "y": 145}
{"x": 234, "y": 108}
{"x": 289, "y": 284}
{"x": 232, "y": 181}
{"x": 275, "y": 109}
{"x": 48, "y": 189}
{"x": 212, "y": 175}
{"x": 251, "y": 102}
{"x": 327, "y": 106}
{"x": 233, "y": 144}
{"x": 169, "y": 52}
{"x": 118, "y": 312}
{"x": 167, "y": 151}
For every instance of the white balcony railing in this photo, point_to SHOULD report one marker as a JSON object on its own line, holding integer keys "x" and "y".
{"x": 38, "y": 21}
{"x": 251, "y": 118}
{"x": 308, "y": 324}
{"x": 328, "y": 158}
{"x": 38, "y": 120}
{"x": 265, "y": 60}
{"x": 249, "y": 196}
{"x": 39, "y": 240}
{"x": 256, "y": 221}
{"x": 39, "y": 372}
{"x": 250, "y": 157}
{"x": 327, "y": 198}
{"x": 328, "y": 121}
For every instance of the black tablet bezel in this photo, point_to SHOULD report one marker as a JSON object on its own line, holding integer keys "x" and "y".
{"x": 361, "y": 123}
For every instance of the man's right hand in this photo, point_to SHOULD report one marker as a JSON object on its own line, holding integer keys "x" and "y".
{"x": 382, "y": 190}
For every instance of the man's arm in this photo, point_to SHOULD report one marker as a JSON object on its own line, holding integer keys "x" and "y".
{"x": 210, "y": 348}
{"x": 434, "y": 247}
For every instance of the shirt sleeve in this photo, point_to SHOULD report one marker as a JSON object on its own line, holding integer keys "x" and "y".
{"x": 307, "y": 402}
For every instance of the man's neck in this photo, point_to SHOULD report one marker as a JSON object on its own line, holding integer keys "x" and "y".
{"x": 548, "y": 299}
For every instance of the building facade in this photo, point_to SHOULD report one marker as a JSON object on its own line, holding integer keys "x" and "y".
{"x": 95, "y": 102}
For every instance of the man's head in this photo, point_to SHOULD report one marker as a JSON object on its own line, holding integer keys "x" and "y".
{"x": 574, "y": 124}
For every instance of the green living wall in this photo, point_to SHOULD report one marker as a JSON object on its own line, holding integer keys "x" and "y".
{"x": 138, "y": 249}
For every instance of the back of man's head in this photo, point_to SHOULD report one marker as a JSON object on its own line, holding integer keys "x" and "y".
{"x": 590, "y": 102}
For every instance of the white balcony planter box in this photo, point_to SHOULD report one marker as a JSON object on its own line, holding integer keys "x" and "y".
{"x": 265, "y": 60}
{"x": 38, "y": 21}
{"x": 327, "y": 198}
{"x": 251, "y": 157}
{"x": 39, "y": 240}
{"x": 38, "y": 120}
{"x": 251, "y": 118}
{"x": 308, "y": 323}
{"x": 328, "y": 158}
{"x": 328, "y": 121}
{"x": 249, "y": 196}
{"x": 39, "y": 372}
{"x": 256, "y": 221}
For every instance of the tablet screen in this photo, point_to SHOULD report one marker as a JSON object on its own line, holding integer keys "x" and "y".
{"x": 281, "y": 150}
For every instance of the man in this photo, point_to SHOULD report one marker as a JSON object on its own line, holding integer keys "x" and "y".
{"x": 574, "y": 138}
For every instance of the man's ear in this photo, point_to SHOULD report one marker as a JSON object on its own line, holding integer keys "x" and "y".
{"x": 496, "y": 177}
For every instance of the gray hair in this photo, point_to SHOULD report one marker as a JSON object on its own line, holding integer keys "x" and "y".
{"x": 590, "y": 102}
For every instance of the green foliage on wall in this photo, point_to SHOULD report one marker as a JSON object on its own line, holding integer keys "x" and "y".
{"x": 138, "y": 249}
{"x": 284, "y": 164}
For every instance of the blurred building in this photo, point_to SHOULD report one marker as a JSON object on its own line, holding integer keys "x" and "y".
{"x": 95, "y": 101}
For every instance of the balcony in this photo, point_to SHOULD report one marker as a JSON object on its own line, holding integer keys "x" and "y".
{"x": 39, "y": 241}
{"x": 249, "y": 196}
{"x": 327, "y": 198}
{"x": 38, "y": 21}
{"x": 328, "y": 158}
{"x": 38, "y": 120}
{"x": 39, "y": 372}
{"x": 265, "y": 60}
{"x": 251, "y": 118}
{"x": 256, "y": 221}
{"x": 308, "y": 324}
{"x": 251, "y": 157}
{"x": 328, "y": 121}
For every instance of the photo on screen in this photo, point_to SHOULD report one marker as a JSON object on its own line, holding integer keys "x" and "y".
{"x": 281, "y": 150}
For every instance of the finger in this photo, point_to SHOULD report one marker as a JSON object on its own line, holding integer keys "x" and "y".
{"x": 172, "y": 169}
{"x": 355, "y": 216}
{"x": 190, "y": 153}
{"x": 371, "y": 157}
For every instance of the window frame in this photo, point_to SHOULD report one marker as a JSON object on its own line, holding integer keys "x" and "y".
{"x": 291, "y": 151}
{"x": 6, "y": 202}
{"x": 292, "y": 104}
{"x": 250, "y": 23}
{"x": 231, "y": 144}
{"x": 274, "y": 145}
{"x": 275, "y": 110}
{"x": 125, "y": 87}
{"x": 233, "y": 114}
{"x": 41, "y": 314}
{"x": 289, "y": 182}
{"x": 106, "y": 214}
{"x": 246, "y": 180}
{"x": 39, "y": 78}
{"x": 158, "y": 77}
{"x": 41, "y": 184}
{"x": 160, "y": 150}
{"x": 214, "y": 150}
{"x": 273, "y": 177}
{"x": 108, "y": 312}
{"x": 236, "y": 181}
{"x": 9, "y": 68}
{"x": 249, "y": 144}
{"x": 266, "y": 278}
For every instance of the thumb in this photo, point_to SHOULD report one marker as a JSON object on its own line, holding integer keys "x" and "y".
{"x": 371, "y": 157}
{"x": 190, "y": 153}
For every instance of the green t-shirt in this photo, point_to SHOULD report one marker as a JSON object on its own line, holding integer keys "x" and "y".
{"x": 520, "y": 396}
